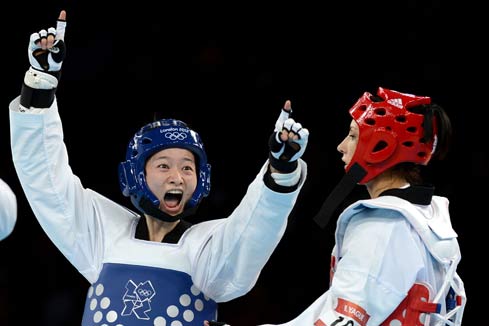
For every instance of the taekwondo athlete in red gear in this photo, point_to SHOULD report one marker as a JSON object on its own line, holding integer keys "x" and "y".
{"x": 395, "y": 257}
{"x": 8, "y": 210}
{"x": 153, "y": 267}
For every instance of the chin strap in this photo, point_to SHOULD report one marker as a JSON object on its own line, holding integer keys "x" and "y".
{"x": 339, "y": 193}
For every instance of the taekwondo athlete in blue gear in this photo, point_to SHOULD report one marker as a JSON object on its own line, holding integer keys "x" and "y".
{"x": 8, "y": 210}
{"x": 152, "y": 267}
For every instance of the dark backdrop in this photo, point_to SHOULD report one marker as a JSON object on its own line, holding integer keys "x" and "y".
{"x": 227, "y": 70}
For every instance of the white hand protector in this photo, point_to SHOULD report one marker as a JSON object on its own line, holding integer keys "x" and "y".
{"x": 46, "y": 52}
{"x": 285, "y": 153}
{"x": 47, "y": 48}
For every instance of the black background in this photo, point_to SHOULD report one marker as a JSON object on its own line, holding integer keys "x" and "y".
{"x": 226, "y": 70}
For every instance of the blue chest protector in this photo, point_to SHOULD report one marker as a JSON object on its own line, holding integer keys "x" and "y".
{"x": 131, "y": 295}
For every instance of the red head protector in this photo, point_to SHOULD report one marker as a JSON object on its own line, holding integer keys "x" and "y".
{"x": 390, "y": 132}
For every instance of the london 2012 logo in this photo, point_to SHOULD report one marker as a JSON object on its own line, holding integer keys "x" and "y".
{"x": 137, "y": 299}
{"x": 175, "y": 133}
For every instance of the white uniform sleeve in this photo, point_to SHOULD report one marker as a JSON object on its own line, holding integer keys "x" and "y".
{"x": 64, "y": 208}
{"x": 8, "y": 210}
{"x": 229, "y": 263}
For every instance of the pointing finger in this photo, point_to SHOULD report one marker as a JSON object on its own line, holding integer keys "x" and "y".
{"x": 61, "y": 26}
{"x": 284, "y": 115}
{"x": 288, "y": 106}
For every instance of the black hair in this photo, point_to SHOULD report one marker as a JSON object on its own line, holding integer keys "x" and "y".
{"x": 412, "y": 172}
{"x": 443, "y": 126}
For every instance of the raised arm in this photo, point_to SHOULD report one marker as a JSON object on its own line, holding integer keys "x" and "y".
{"x": 67, "y": 212}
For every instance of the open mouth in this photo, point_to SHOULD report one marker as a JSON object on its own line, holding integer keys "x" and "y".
{"x": 173, "y": 198}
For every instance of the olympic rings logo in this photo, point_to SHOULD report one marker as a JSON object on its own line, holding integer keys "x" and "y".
{"x": 176, "y": 135}
{"x": 144, "y": 293}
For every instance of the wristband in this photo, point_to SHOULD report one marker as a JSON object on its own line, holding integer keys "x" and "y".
{"x": 37, "y": 98}
{"x": 282, "y": 166}
{"x": 38, "y": 89}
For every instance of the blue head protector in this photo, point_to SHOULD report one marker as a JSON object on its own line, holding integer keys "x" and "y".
{"x": 150, "y": 139}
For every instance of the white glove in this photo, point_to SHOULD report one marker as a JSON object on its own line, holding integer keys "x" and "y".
{"x": 285, "y": 153}
{"x": 47, "y": 48}
{"x": 46, "y": 52}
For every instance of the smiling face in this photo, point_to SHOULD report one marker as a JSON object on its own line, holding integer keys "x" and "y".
{"x": 171, "y": 174}
{"x": 348, "y": 146}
